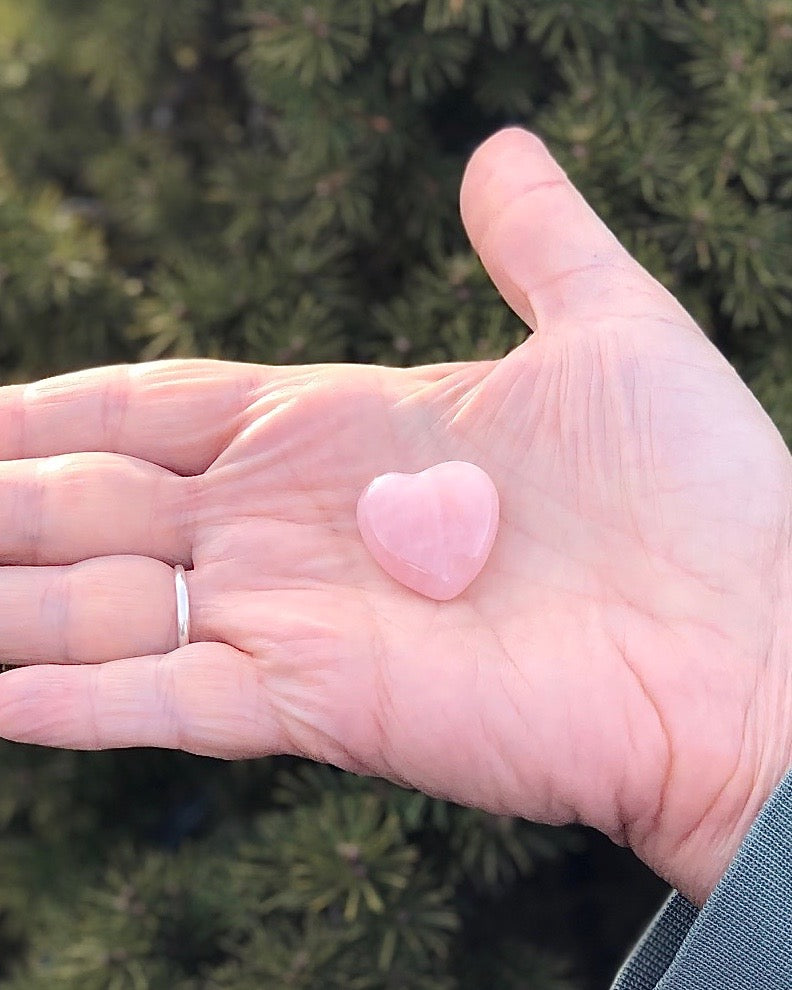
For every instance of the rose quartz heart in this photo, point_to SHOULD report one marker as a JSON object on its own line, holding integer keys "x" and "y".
{"x": 431, "y": 531}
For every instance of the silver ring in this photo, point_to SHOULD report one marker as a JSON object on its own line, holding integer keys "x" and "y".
{"x": 182, "y": 607}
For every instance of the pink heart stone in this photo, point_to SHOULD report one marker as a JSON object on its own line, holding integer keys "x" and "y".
{"x": 431, "y": 531}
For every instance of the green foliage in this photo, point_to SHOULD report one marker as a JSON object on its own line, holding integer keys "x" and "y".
{"x": 331, "y": 886}
{"x": 277, "y": 181}
{"x": 58, "y": 299}
{"x": 256, "y": 179}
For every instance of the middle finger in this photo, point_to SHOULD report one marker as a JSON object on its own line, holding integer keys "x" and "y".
{"x": 70, "y": 507}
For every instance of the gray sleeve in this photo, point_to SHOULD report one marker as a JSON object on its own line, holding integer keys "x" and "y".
{"x": 741, "y": 939}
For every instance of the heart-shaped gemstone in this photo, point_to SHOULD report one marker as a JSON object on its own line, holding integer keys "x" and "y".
{"x": 431, "y": 531}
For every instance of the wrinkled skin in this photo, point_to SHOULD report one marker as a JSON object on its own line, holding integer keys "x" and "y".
{"x": 622, "y": 660}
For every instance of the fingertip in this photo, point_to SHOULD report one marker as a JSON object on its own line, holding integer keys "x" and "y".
{"x": 29, "y": 709}
{"x": 508, "y": 145}
{"x": 551, "y": 257}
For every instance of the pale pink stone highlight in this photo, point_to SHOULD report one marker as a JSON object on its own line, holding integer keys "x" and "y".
{"x": 432, "y": 531}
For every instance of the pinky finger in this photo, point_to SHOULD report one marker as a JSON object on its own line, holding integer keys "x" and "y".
{"x": 206, "y": 698}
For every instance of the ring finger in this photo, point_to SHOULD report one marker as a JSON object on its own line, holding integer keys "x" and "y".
{"x": 97, "y": 610}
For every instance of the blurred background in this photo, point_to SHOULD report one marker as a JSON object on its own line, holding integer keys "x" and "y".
{"x": 277, "y": 182}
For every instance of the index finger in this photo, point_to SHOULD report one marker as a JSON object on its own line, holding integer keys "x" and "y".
{"x": 178, "y": 414}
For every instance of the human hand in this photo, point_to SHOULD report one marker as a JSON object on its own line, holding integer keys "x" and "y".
{"x": 622, "y": 660}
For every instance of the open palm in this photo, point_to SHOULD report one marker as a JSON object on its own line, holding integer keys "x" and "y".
{"x": 623, "y": 658}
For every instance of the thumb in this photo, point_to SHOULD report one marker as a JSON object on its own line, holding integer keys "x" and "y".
{"x": 551, "y": 257}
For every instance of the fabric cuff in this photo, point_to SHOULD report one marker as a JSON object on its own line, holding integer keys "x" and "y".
{"x": 741, "y": 939}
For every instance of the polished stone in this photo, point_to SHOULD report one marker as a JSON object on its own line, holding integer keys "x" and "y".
{"x": 431, "y": 531}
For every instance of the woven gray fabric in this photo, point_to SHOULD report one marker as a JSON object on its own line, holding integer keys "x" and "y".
{"x": 742, "y": 937}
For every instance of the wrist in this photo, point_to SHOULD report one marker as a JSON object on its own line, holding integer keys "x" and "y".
{"x": 702, "y": 857}
{"x": 703, "y": 861}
